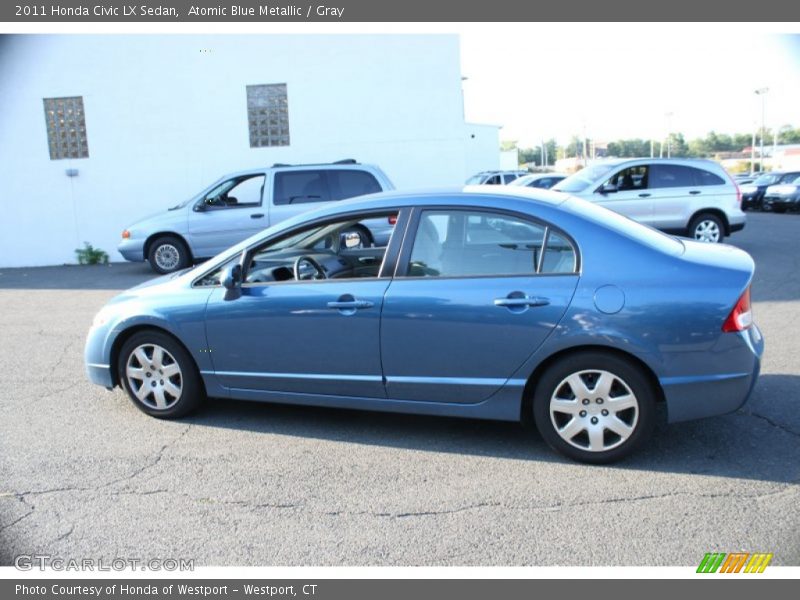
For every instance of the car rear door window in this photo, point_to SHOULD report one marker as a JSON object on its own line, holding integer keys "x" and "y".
{"x": 668, "y": 176}
{"x": 299, "y": 187}
{"x": 465, "y": 243}
{"x": 348, "y": 183}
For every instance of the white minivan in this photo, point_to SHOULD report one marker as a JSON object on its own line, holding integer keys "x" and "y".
{"x": 240, "y": 204}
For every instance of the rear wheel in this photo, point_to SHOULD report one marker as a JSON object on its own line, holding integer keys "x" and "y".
{"x": 160, "y": 377}
{"x": 167, "y": 254}
{"x": 594, "y": 407}
{"x": 707, "y": 228}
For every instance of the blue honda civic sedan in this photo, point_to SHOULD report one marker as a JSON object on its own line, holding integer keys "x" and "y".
{"x": 508, "y": 304}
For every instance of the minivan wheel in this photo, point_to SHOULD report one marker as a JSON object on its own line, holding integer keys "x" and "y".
{"x": 168, "y": 253}
{"x": 594, "y": 407}
{"x": 707, "y": 228}
{"x": 160, "y": 377}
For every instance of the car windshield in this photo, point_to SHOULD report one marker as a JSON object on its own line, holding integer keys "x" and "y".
{"x": 523, "y": 181}
{"x": 767, "y": 180}
{"x": 582, "y": 179}
{"x": 475, "y": 180}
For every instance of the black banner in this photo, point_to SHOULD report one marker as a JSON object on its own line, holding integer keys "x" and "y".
{"x": 398, "y": 11}
{"x": 391, "y": 589}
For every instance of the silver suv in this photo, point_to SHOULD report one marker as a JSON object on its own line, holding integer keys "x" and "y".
{"x": 240, "y": 204}
{"x": 691, "y": 197}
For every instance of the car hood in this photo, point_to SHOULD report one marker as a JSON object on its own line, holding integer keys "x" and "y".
{"x": 162, "y": 219}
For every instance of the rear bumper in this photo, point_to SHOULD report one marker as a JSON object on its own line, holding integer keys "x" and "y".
{"x": 698, "y": 396}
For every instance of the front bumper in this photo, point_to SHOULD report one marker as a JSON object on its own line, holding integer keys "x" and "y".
{"x": 787, "y": 202}
{"x": 132, "y": 250}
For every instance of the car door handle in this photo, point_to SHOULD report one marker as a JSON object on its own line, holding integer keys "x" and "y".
{"x": 695, "y": 192}
{"x": 257, "y": 216}
{"x": 521, "y": 301}
{"x": 644, "y": 195}
{"x": 350, "y": 304}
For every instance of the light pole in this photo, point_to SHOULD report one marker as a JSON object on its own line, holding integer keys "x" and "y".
{"x": 668, "y": 116}
{"x": 762, "y": 92}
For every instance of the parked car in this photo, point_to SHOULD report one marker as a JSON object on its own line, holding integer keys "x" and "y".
{"x": 494, "y": 303}
{"x": 495, "y": 177}
{"x": 240, "y": 204}
{"x": 691, "y": 197}
{"x": 753, "y": 194}
{"x": 745, "y": 179}
{"x": 542, "y": 181}
{"x": 783, "y": 196}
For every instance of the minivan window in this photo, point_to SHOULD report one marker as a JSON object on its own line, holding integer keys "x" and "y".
{"x": 582, "y": 179}
{"x": 299, "y": 187}
{"x": 245, "y": 190}
{"x": 349, "y": 183}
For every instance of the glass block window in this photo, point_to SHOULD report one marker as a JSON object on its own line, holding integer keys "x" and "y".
{"x": 268, "y": 115}
{"x": 66, "y": 127}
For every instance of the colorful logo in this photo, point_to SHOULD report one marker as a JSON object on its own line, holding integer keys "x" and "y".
{"x": 738, "y": 562}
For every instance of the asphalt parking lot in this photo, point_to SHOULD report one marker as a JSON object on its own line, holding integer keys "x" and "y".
{"x": 83, "y": 473}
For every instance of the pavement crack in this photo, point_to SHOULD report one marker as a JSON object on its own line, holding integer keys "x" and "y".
{"x": 157, "y": 459}
{"x": 64, "y": 536}
{"x": 31, "y": 509}
{"x": 775, "y": 424}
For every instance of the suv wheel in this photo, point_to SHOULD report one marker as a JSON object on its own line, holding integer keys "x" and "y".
{"x": 707, "y": 228}
{"x": 168, "y": 253}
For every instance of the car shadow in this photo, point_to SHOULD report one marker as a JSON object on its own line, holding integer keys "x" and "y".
{"x": 759, "y": 442}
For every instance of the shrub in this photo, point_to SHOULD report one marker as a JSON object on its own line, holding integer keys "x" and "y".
{"x": 91, "y": 256}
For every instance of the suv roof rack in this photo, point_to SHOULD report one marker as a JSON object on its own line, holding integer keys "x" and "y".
{"x": 344, "y": 161}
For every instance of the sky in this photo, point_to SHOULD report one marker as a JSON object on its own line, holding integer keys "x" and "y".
{"x": 620, "y": 81}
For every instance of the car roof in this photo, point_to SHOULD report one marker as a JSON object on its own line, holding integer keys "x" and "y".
{"x": 301, "y": 167}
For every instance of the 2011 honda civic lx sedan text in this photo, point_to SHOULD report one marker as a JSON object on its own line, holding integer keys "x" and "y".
{"x": 493, "y": 303}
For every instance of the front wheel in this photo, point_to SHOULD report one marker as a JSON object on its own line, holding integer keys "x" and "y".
{"x": 707, "y": 228}
{"x": 594, "y": 407}
{"x": 167, "y": 254}
{"x": 159, "y": 375}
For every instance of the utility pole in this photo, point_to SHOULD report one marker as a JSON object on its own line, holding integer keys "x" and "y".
{"x": 668, "y": 116}
{"x": 762, "y": 92}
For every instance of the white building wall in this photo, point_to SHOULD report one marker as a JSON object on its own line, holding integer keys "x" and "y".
{"x": 166, "y": 115}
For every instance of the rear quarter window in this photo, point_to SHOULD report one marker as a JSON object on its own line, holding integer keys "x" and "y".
{"x": 347, "y": 183}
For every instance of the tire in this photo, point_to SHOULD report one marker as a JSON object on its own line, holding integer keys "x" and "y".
{"x": 579, "y": 429}
{"x": 707, "y": 227}
{"x": 175, "y": 388}
{"x": 167, "y": 254}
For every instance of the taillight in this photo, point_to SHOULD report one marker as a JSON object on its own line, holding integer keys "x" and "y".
{"x": 738, "y": 193}
{"x": 741, "y": 316}
{"x": 392, "y": 219}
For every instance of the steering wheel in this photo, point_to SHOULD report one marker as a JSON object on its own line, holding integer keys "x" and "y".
{"x": 320, "y": 272}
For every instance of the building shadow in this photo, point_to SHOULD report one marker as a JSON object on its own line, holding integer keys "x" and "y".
{"x": 761, "y": 441}
{"x": 113, "y": 276}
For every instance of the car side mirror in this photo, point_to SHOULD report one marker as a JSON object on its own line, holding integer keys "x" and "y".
{"x": 608, "y": 188}
{"x": 232, "y": 281}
